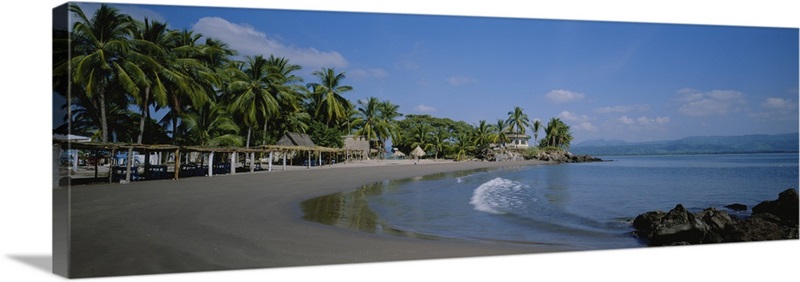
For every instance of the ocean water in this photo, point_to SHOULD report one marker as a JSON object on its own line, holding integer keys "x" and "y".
{"x": 584, "y": 206}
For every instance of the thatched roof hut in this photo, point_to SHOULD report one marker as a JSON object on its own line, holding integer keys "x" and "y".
{"x": 296, "y": 139}
{"x": 358, "y": 145}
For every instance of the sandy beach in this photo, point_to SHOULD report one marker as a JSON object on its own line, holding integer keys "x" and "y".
{"x": 249, "y": 220}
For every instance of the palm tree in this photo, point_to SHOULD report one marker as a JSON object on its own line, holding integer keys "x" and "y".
{"x": 388, "y": 112}
{"x": 517, "y": 121}
{"x": 195, "y": 83}
{"x": 421, "y": 136}
{"x": 438, "y": 142}
{"x": 100, "y": 63}
{"x": 350, "y": 120}
{"x": 251, "y": 96}
{"x": 369, "y": 120}
{"x": 297, "y": 121}
{"x": 287, "y": 91}
{"x": 152, "y": 39}
{"x": 462, "y": 145}
{"x": 327, "y": 102}
{"x": 499, "y": 135}
{"x": 536, "y": 126}
{"x": 214, "y": 53}
{"x": 558, "y": 134}
{"x": 210, "y": 125}
{"x": 481, "y": 137}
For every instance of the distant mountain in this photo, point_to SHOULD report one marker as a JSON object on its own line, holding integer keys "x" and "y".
{"x": 602, "y": 142}
{"x": 779, "y": 143}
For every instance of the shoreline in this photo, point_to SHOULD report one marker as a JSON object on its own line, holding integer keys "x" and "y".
{"x": 252, "y": 220}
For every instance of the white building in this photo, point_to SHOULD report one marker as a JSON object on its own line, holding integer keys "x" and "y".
{"x": 518, "y": 141}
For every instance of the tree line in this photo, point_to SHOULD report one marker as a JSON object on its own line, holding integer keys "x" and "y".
{"x": 116, "y": 72}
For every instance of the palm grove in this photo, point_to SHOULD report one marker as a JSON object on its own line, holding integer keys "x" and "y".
{"x": 122, "y": 70}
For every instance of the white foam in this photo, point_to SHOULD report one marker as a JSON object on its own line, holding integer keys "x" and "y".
{"x": 497, "y": 196}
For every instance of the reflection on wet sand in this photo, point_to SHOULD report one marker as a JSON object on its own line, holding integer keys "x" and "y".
{"x": 352, "y": 210}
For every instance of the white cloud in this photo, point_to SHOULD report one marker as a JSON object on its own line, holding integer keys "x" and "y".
{"x": 622, "y": 109}
{"x": 459, "y": 80}
{"x": 716, "y": 102}
{"x": 587, "y": 126}
{"x": 424, "y": 109}
{"x": 778, "y": 104}
{"x": 249, "y": 41}
{"x": 662, "y": 120}
{"x": 567, "y": 116}
{"x": 367, "y": 73}
{"x": 642, "y": 122}
{"x": 777, "y": 109}
{"x": 563, "y": 96}
{"x": 625, "y": 120}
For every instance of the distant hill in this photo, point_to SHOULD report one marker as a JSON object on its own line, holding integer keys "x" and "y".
{"x": 779, "y": 143}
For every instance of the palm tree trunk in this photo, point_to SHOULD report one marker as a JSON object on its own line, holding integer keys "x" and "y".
{"x": 143, "y": 118}
{"x": 103, "y": 118}
{"x": 264, "y": 137}
{"x": 176, "y": 104}
{"x": 249, "y": 129}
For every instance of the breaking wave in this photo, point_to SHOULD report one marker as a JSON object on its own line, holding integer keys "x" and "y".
{"x": 500, "y": 196}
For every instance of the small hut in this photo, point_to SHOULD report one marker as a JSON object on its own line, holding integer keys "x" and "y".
{"x": 398, "y": 153}
{"x": 356, "y": 145}
{"x": 296, "y": 139}
{"x": 417, "y": 152}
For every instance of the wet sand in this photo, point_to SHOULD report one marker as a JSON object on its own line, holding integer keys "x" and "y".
{"x": 246, "y": 221}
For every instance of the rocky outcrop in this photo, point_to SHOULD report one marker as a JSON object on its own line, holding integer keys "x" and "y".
{"x": 565, "y": 157}
{"x": 737, "y": 207}
{"x": 772, "y": 220}
{"x": 502, "y": 154}
{"x": 785, "y": 207}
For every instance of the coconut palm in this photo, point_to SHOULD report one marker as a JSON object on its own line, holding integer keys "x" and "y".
{"x": 250, "y": 93}
{"x": 327, "y": 102}
{"x": 462, "y": 145}
{"x": 369, "y": 122}
{"x": 210, "y": 125}
{"x": 194, "y": 84}
{"x": 438, "y": 142}
{"x": 388, "y": 112}
{"x": 151, "y": 40}
{"x": 558, "y": 134}
{"x": 287, "y": 90}
{"x": 99, "y": 62}
{"x": 517, "y": 121}
{"x": 421, "y": 135}
{"x": 536, "y": 126}
{"x": 499, "y": 134}
{"x": 298, "y": 121}
{"x": 482, "y": 137}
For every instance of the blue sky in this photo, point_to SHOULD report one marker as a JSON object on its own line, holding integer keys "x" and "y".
{"x": 611, "y": 80}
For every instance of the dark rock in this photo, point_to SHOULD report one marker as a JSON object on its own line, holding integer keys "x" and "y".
{"x": 759, "y": 227}
{"x": 737, "y": 207}
{"x": 678, "y": 225}
{"x": 565, "y": 157}
{"x": 785, "y": 207}
{"x": 771, "y": 220}
{"x": 647, "y": 222}
{"x": 716, "y": 222}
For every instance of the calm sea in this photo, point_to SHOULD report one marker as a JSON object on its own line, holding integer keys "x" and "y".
{"x": 586, "y": 206}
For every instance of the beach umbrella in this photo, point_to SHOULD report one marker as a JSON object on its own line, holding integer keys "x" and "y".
{"x": 418, "y": 152}
{"x": 397, "y": 153}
